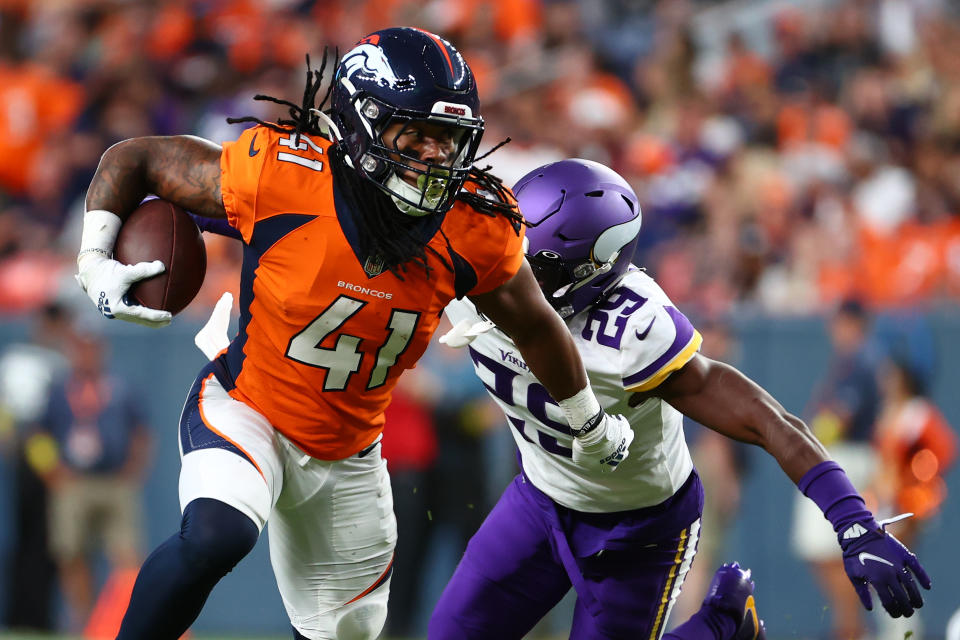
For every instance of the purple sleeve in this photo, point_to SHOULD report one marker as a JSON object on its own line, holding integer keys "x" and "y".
{"x": 830, "y": 488}
{"x": 220, "y": 226}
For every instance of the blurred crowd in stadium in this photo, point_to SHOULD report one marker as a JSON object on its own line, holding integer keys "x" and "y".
{"x": 786, "y": 153}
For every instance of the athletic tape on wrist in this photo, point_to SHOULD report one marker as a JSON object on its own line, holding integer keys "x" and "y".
{"x": 580, "y": 408}
{"x": 593, "y": 432}
{"x": 100, "y": 229}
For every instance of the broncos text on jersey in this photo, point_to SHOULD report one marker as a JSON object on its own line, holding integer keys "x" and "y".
{"x": 323, "y": 338}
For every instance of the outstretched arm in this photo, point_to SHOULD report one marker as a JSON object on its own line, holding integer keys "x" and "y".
{"x": 519, "y": 309}
{"x": 184, "y": 170}
{"x": 723, "y": 399}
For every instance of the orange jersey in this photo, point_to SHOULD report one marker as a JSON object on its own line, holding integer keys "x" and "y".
{"x": 321, "y": 344}
{"x": 917, "y": 447}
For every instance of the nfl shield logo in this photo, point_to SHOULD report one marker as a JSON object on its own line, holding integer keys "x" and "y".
{"x": 373, "y": 266}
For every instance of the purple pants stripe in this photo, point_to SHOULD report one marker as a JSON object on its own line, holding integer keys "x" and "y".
{"x": 681, "y": 565}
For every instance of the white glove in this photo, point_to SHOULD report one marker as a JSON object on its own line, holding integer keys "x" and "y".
{"x": 107, "y": 281}
{"x": 213, "y": 338}
{"x": 465, "y": 332}
{"x": 605, "y": 446}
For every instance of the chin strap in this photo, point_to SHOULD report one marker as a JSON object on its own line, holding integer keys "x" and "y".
{"x": 331, "y": 126}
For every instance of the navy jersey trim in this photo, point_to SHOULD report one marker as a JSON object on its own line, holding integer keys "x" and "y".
{"x": 464, "y": 276}
{"x": 194, "y": 432}
{"x": 266, "y": 233}
{"x": 424, "y": 228}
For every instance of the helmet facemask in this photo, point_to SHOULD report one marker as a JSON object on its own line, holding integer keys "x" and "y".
{"x": 388, "y": 157}
{"x": 560, "y": 279}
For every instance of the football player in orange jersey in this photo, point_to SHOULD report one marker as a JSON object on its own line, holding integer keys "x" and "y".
{"x": 359, "y": 225}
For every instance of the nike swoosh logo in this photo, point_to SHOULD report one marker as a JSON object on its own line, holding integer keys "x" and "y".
{"x": 869, "y": 556}
{"x": 253, "y": 151}
{"x": 641, "y": 336}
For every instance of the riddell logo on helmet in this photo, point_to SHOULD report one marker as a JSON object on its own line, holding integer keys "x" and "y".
{"x": 457, "y": 111}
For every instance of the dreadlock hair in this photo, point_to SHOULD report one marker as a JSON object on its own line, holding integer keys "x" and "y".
{"x": 392, "y": 239}
{"x": 493, "y": 185}
{"x": 302, "y": 119}
{"x": 385, "y": 234}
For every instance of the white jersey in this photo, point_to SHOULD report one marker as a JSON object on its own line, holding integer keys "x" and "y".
{"x": 629, "y": 342}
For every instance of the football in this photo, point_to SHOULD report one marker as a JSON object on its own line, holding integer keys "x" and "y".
{"x": 160, "y": 230}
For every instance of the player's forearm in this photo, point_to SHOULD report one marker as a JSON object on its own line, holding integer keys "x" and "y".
{"x": 793, "y": 445}
{"x": 783, "y": 435}
{"x": 184, "y": 170}
{"x": 553, "y": 358}
{"x": 518, "y": 308}
{"x": 764, "y": 423}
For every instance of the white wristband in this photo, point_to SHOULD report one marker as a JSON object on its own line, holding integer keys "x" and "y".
{"x": 100, "y": 229}
{"x": 580, "y": 408}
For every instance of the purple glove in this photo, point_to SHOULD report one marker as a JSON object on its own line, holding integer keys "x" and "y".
{"x": 873, "y": 556}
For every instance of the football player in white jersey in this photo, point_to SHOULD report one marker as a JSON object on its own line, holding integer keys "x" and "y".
{"x": 624, "y": 541}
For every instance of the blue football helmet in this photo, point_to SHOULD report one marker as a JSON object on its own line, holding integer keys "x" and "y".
{"x": 404, "y": 75}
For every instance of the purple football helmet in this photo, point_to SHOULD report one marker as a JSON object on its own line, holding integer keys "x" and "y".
{"x": 582, "y": 225}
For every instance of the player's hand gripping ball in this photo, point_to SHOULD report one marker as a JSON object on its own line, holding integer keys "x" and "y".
{"x": 160, "y": 230}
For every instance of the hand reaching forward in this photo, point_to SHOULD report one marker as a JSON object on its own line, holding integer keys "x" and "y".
{"x": 871, "y": 556}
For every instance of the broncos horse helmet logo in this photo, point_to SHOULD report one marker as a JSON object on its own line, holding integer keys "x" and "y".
{"x": 371, "y": 63}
